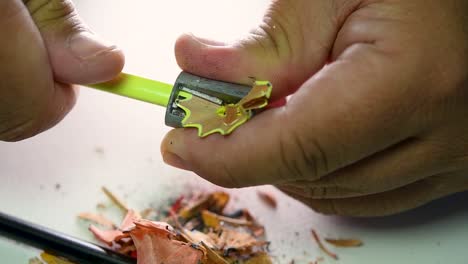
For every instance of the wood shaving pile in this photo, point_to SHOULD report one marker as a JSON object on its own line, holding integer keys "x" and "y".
{"x": 195, "y": 230}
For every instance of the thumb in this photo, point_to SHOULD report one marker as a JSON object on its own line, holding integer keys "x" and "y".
{"x": 77, "y": 55}
{"x": 253, "y": 155}
{"x": 276, "y": 50}
{"x": 286, "y": 50}
{"x": 233, "y": 62}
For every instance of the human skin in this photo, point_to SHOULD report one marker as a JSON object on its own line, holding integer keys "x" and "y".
{"x": 377, "y": 118}
{"x": 45, "y": 48}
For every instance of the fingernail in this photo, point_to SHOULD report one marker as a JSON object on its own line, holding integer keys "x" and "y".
{"x": 205, "y": 42}
{"x": 86, "y": 45}
{"x": 193, "y": 37}
{"x": 175, "y": 161}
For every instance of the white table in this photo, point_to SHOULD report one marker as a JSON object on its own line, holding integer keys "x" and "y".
{"x": 113, "y": 141}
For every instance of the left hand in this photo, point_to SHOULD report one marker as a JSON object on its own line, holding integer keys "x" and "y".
{"x": 45, "y": 48}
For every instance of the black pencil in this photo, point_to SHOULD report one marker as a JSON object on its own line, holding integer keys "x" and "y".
{"x": 58, "y": 244}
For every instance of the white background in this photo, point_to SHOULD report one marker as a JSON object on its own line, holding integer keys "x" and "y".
{"x": 113, "y": 141}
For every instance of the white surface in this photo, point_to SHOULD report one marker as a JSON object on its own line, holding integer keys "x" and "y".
{"x": 129, "y": 133}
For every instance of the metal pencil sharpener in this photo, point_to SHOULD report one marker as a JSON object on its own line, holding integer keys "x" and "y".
{"x": 216, "y": 92}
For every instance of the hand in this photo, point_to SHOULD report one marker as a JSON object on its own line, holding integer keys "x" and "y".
{"x": 378, "y": 118}
{"x": 44, "y": 49}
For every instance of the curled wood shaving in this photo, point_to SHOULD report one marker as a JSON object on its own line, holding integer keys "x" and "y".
{"x": 115, "y": 199}
{"x": 130, "y": 218}
{"x": 233, "y": 240}
{"x": 214, "y": 220}
{"x": 193, "y": 223}
{"x": 197, "y": 237}
{"x": 155, "y": 244}
{"x": 212, "y": 257}
{"x": 322, "y": 246}
{"x": 268, "y": 199}
{"x": 98, "y": 219}
{"x": 214, "y": 202}
{"x": 209, "y": 117}
{"x": 258, "y": 230}
{"x": 210, "y": 219}
{"x": 344, "y": 242}
{"x": 106, "y": 236}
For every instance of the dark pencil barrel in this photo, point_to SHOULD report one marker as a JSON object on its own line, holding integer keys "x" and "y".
{"x": 59, "y": 244}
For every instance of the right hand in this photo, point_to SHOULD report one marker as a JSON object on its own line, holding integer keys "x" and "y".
{"x": 377, "y": 122}
{"x": 45, "y": 48}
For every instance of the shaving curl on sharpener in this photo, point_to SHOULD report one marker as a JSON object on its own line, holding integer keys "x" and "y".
{"x": 209, "y": 105}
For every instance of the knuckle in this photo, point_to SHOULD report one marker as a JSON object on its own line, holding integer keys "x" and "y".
{"x": 275, "y": 39}
{"x": 290, "y": 166}
{"x": 46, "y": 13}
{"x": 312, "y": 159}
{"x": 273, "y": 33}
{"x": 302, "y": 157}
{"x": 289, "y": 155}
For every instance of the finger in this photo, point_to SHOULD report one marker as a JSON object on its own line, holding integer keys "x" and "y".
{"x": 241, "y": 159}
{"x": 391, "y": 202}
{"x": 337, "y": 118}
{"x": 274, "y": 51}
{"x": 76, "y": 54}
{"x": 357, "y": 106}
{"x": 400, "y": 165}
{"x": 30, "y": 101}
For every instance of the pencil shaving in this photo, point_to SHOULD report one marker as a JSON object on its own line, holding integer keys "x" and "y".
{"x": 196, "y": 231}
{"x": 97, "y": 219}
{"x": 322, "y": 246}
{"x": 344, "y": 242}
{"x": 268, "y": 199}
{"x": 117, "y": 201}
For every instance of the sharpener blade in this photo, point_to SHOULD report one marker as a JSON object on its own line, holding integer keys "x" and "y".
{"x": 217, "y": 92}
